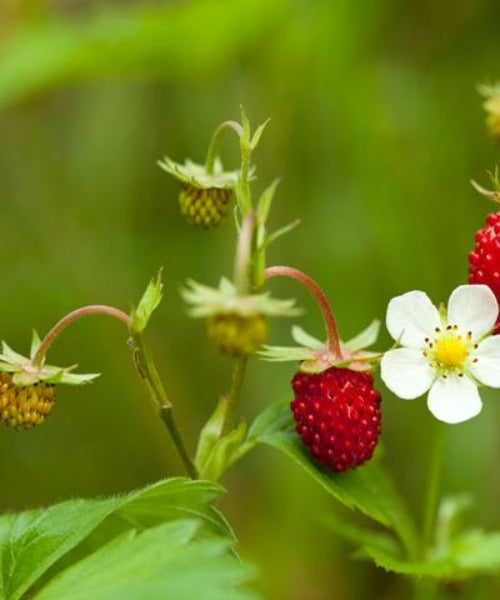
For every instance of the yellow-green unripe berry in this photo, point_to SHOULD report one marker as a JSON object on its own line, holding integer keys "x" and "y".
{"x": 205, "y": 208}
{"x": 492, "y": 106}
{"x": 24, "y": 406}
{"x": 236, "y": 335}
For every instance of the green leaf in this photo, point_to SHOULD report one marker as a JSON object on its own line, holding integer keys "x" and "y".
{"x": 258, "y": 134}
{"x": 147, "y": 304}
{"x": 210, "y": 434}
{"x": 362, "y": 536}
{"x": 364, "y": 339}
{"x": 224, "y": 453}
{"x": 163, "y": 562}
{"x": 33, "y": 541}
{"x": 280, "y": 232}
{"x": 473, "y": 553}
{"x": 478, "y": 552}
{"x": 367, "y": 488}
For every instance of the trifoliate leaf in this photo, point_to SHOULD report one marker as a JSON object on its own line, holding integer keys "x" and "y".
{"x": 147, "y": 305}
{"x": 36, "y": 544}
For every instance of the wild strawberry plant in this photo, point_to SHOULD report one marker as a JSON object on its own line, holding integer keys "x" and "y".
{"x": 168, "y": 540}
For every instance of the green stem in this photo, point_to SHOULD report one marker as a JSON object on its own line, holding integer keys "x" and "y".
{"x": 431, "y": 503}
{"x": 244, "y": 254}
{"x": 232, "y": 399}
{"x": 215, "y": 141}
{"x": 148, "y": 372}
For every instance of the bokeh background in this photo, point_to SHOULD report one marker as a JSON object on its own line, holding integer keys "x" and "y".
{"x": 376, "y": 130}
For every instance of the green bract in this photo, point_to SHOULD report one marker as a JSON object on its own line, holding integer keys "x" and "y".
{"x": 24, "y": 372}
{"x": 225, "y": 299}
{"x": 197, "y": 175}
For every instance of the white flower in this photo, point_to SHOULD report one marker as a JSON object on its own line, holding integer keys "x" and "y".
{"x": 444, "y": 352}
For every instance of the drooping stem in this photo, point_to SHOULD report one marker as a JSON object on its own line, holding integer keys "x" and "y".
{"x": 148, "y": 372}
{"x": 244, "y": 253}
{"x": 432, "y": 497}
{"x": 232, "y": 398}
{"x": 143, "y": 361}
{"x": 215, "y": 141}
{"x": 321, "y": 299}
{"x": 60, "y": 326}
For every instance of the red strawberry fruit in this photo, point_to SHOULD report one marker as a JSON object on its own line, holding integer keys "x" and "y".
{"x": 484, "y": 260}
{"x": 337, "y": 414}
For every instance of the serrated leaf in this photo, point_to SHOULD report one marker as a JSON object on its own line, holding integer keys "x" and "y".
{"x": 442, "y": 569}
{"x": 147, "y": 304}
{"x": 367, "y": 488}
{"x": 32, "y": 542}
{"x": 301, "y": 337}
{"x": 364, "y": 339}
{"x": 163, "y": 562}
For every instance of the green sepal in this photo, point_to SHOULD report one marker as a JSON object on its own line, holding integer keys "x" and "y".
{"x": 147, "y": 305}
{"x": 25, "y": 372}
{"x": 365, "y": 339}
{"x": 207, "y": 301}
{"x": 35, "y": 344}
{"x": 286, "y": 353}
{"x": 303, "y": 338}
{"x": 196, "y": 175}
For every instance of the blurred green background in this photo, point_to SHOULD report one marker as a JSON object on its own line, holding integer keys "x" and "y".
{"x": 376, "y": 130}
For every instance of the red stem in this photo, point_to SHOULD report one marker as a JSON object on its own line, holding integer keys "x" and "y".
{"x": 92, "y": 309}
{"x": 321, "y": 299}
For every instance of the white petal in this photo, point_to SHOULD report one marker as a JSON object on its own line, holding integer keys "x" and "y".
{"x": 411, "y": 318}
{"x": 406, "y": 372}
{"x": 454, "y": 399}
{"x": 487, "y": 368}
{"x": 473, "y": 308}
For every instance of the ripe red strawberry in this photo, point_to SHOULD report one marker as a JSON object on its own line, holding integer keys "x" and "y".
{"x": 484, "y": 260}
{"x": 337, "y": 414}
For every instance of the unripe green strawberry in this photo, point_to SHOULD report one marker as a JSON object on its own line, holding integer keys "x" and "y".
{"x": 25, "y": 406}
{"x": 205, "y": 208}
{"x": 237, "y": 335}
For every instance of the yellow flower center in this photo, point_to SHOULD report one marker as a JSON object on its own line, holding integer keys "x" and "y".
{"x": 450, "y": 352}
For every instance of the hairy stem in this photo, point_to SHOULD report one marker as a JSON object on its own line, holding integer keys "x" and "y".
{"x": 239, "y": 371}
{"x": 60, "y": 326}
{"x": 215, "y": 141}
{"x": 148, "y": 372}
{"x": 321, "y": 299}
